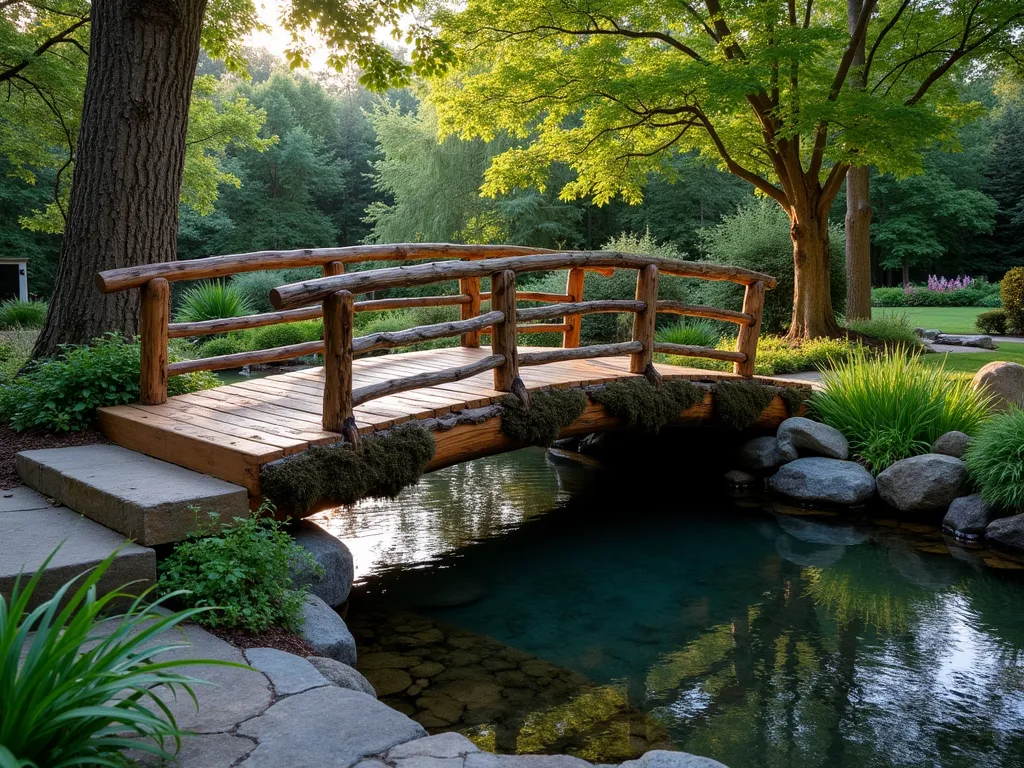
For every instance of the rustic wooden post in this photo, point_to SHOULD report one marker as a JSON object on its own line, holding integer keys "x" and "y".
{"x": 332, "y": 268}
{"x": 574, "y": 290}
{"x": 503, "y": 334}
{"x": 746, "y": 341}
{"x": 470, "y": 286}
{"x": 155, "y": 314}
{"x": 644, "y": 321}
{"x": 338, "y": 318}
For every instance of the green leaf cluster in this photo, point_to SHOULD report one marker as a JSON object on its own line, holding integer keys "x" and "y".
{"x": 241, "y": 574}
{"x": 80, "y": 683}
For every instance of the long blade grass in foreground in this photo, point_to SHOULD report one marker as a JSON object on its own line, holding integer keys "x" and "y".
{"x": 891, "y": 406}
{"x": 78, "y": 685}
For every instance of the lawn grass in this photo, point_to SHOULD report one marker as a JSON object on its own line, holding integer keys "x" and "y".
{"x": 946, "y": 319}
{"x": 970, "y": 362}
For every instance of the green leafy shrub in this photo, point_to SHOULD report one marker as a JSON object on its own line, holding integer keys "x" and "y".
{"x": 777, "y": 355}
{"x": 1012, "y": 295}
{"x": 981, "y": 293}
{"x": 891, "y": 329}
{"x": 231, "y": 344}
{"x": 63, "y": 393}
{"x": 241, "y": 574}
{"x": 78, "y": 684}
{"x": 331, "y": 475}
{"x": 255, "y": 287}
{"x": 644, "y": 407}
{"x": 15, "y": 314}
{"x": 888, "y": 297}
{"x": 211, "y": 300}
{"x": 992, "y": 322}
{"x": 995, "y": 460}
{"x": 891, "y": 406}
{"x": 284, "y": 334}
{"x": 700, "y": 333}
{"x": 757, "y": 237}
{"x": 739, "y": 404}
{"x": 550, "y": 411}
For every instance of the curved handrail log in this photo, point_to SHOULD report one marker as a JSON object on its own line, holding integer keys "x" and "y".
{"x": 306, "y": 292}
{"x": 114, "y": 280}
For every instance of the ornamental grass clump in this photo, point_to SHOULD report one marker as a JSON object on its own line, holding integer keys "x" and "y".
{"x": 211, "y": 300}
{"x": 80, "y": 683}
{"x": 548, "y": 413}
{"x": 995, "y": 460}
{"x": 890, "y": 406}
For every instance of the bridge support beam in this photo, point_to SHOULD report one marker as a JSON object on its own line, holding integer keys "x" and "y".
{"x": 338, "y": 320}
{"x": 746, "y": 342}
{"x": 503, "y": 334}
{"x": 644, "y": 320}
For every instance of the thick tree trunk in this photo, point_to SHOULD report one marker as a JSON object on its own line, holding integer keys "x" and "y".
{"x": 812, "y": 299}
{"x": 858, "y": 245}
{"x": 858, "y": 204}
{"x": 130, "y": 156}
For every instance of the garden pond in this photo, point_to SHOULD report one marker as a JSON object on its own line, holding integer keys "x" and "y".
{"x": 542, "y": 607}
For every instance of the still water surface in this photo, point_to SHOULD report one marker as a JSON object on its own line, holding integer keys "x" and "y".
{"x": 673, "y": 618}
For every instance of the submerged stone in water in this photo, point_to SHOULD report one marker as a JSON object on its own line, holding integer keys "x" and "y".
{"x": 1007, "y": 532}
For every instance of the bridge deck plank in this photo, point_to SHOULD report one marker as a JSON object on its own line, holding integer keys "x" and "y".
{"x": 231, "y": 431}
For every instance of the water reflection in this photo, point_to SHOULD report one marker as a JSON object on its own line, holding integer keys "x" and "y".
{"x": 612, "y": 627}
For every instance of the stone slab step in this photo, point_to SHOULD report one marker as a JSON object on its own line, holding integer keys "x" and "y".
{"x": 148, "y": 500}
{"x": 31, "y": 528}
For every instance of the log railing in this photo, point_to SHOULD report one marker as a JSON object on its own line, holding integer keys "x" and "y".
{"x": 332, "y": 297}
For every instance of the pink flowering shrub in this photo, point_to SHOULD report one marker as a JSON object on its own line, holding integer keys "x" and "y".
{"x": 945, "y": 285}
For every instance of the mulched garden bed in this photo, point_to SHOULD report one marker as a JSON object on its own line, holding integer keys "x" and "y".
{"x": 275, "y": 637}
{"x": 12, "y": 442}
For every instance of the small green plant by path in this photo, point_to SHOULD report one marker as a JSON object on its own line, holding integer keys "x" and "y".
{"x": 995, "y": 460}
{"x": 17, "y": 315}
{"x": 889, "y": 328}
{"x": 77, "y": 685}
{"x": 240, "y": 575}
{"x": 891, "y": 406}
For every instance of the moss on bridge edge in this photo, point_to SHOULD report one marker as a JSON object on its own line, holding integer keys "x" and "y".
{"x": 645, "y": 407}
{"x": 739, "y": 404}
{"x": 549, "y": 412}
{"x": 327, "y": 475}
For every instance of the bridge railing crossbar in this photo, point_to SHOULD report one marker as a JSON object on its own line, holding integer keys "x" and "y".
{"x": 332, "y": 297}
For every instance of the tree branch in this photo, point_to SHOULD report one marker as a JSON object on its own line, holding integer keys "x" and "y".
{"x": 61, "y": 37}
{"x": 881, "y": 36}
{"x": 738, "y": 170}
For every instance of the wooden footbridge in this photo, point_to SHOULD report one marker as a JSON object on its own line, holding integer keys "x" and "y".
{"x": 231, "y": 431}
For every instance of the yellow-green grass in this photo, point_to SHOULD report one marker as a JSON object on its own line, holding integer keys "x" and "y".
{"x": 970, "y": 362}
{"x": 946, "y": 319}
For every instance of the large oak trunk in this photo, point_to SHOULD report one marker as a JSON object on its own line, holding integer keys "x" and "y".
{"x": 812, "y": 298}
{"x": 130, "y": 155}
{"x": 858, "y": 245}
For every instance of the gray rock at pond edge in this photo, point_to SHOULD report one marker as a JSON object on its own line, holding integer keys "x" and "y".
{"x": 952, "y": 444}
{"x": 968, "y": 516}
{"x": 661, "y": 758}
{"x": 760, "y": 454}
{"x": 442, "y": 745}
{"x": 330, "y": 553}
{"x": 818, "y": 479}
{"x": 1007, "y": 532}
{"x": 739, "y": 477}
{"x": 325, "y": 631}
{"x": 931, "y": 334}
{"x": 962, "y": 340}
{"x": 1004, "y": 381}
{"x": 342, "y": 675}
{"x": 287, "y": 672}
{"x": 799, "y": 434}
{"x": 922, "y": 483}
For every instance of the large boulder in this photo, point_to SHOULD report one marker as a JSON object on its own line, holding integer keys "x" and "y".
{"x": 952, "y": 444}
{"x": 1007, "y": 532}
{"x": 968, "y": 517}
{"x": 334, "y": 585}
{"x": 962, "y": 340}
{"x": 1004, "y": 381}
{"x": 760, "y": 454}
{"x": 922, "y": 483}
{"x": 325, "y": 631}
{"x": 798, "y": 434}
{"x": 832, "y": 481}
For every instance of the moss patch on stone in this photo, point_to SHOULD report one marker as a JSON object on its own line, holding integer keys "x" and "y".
{"x": 739, "y": 404}
{"x": 325, "y": 475}
{"x": 643, "y": 406}
{"x": 549, "y": 412}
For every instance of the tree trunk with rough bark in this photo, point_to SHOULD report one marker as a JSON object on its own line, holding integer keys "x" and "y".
{"x": 129, "y": 161}
{"x": 812, "y": 297}
{"x": 858, "y": 205}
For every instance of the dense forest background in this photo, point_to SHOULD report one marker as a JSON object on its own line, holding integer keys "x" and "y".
{"x": 341, "y": 166}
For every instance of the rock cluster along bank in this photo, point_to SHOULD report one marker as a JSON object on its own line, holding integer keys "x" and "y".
{"x": 809, "y": 462}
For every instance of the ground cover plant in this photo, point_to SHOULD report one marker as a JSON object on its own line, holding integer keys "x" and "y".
{"x": 62, "y": 393}
{"x": 776, "y": 355}
{"x": 891, "y": 406}
{"x": 79, "y": 682}
{"x": 16, "y": 315}
{"x": 240, "y": 574}
{"x": 995, "y": 460}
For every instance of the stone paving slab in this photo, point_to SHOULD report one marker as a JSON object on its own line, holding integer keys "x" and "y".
{"x": 287, "y": 672}
{"x": 27, "y": 537}
{"x": 148, "y": 500}
{"x": 22, "y": 499}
